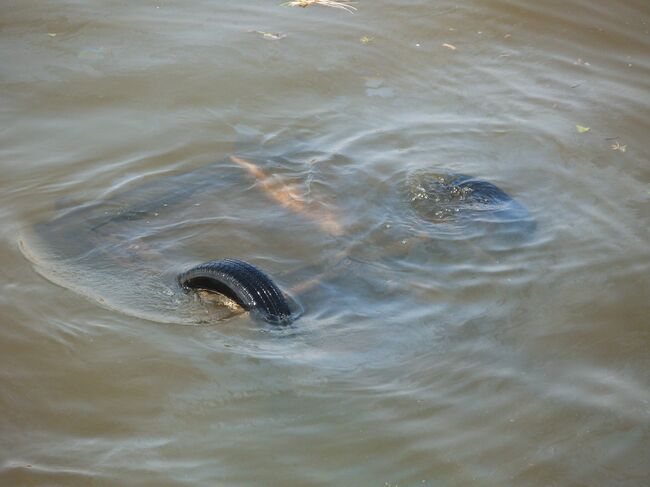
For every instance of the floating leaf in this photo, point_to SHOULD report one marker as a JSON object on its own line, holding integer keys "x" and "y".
{"x": 581, "y": 129}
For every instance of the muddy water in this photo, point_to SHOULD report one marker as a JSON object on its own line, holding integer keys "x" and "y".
{"x": 425, "y": 356}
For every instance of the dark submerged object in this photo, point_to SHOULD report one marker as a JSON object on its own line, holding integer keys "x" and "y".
{"x": 242, "y": 282}
{"x": 464, "y": 201}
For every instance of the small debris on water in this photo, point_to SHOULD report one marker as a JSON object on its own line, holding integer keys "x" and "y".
{"x": 273, "y": 36}
{"x": 449, "y": 46}
{"x": 340, "y": 4}
{"x": 617, "y": 146}
{"x": 582, "y": 129}
{"x": 366, "y": 39}
{"x": 51, "y": 34}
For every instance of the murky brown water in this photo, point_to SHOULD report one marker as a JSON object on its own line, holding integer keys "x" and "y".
{"x": 428, "y": 356}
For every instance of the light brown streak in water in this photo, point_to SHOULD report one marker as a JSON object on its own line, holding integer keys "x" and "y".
{"x": 282, "y": 194}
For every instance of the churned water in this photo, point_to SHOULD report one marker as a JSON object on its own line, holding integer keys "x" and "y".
{"x": 435, "y": 347}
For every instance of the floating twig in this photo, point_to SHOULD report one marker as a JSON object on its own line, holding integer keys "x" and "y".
{"x": 341, "y": 4}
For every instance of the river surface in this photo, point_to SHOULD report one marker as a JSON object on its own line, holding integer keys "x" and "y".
{"x": 427, "y": 352}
